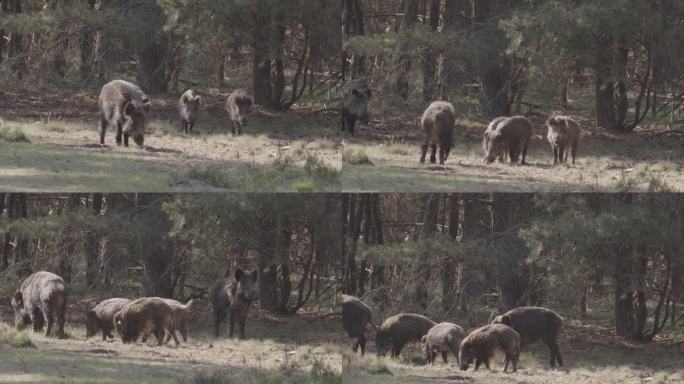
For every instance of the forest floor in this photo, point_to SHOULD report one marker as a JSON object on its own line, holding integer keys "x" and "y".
{"x": 297, "y": 349}
{"x": 385, "y": 157}
{"x": 592, "y": 355}
{"x": 50, "y": 142}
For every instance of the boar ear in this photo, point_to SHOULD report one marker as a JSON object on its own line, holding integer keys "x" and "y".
{"x": 19, "y": 298}
{"x": 505, "y": 320}
{"x": 198, "y": 99}
{"x": 129, "y": 108}
{"x": 146, "y": 104}
{"x": 254, "y": 275}
{"x": 238, "y": 274}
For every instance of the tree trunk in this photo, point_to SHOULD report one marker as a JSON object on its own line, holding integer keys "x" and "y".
{"x": 404, "y": 64}
{"x": 457, "y": 15}
{"x": 92, "y": 244}
{"x": 430, "y": 56}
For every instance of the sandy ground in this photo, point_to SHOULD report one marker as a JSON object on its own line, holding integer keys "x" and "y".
{"x": 591, "y": 354}
{"x": 64, "y": 152}
{"x": 642, "y": 161}
{"x": 285, "y": 345}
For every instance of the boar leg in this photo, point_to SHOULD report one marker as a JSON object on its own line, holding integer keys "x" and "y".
{"x": 126, "y": 135}
{"x": 190, "y": 126}
{"x": 574, "y": 151}
{"x": 561, "y": 154}
{"x": 37, "y": 320}
{"x": 119, "y": 133}
{"x": 524, "y": 152}
{"x": 49, "y": 319}
{"x": 423, "y": 149}
{"x": 183, "y": 332}
{"x": 362, "y": 344}
{"x": 442, "y": 156}
{"x": 433, "y": 154}
{"x": 555, "y": 353}
{"x": 444, "y": 356}
{"x": 219, "y": 316}
{"x": 242, "y": 319}
{"x": 555, "y": 154}
{"x": 103, "y": 129}
{"x": 61, "y": 317}
{"x": 477, "y": 364}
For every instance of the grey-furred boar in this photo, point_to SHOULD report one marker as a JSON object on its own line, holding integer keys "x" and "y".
{"x": 355, "y": 107}
{"x": 188, "y": 109}
{"x": 146, "y": 316}
{"x": 102, "y": 317}
{"x": 484, "y": 343}
{"x": 513, "y": 134}
{"x": 563, "y": 134}
{"x": 493, "y": 125}
{"x": 182, "y": 313}
{"x": 399, "y": 330}
{"x": 40, "y": 298}
{"x": 239, "y": 107}
{"x": 437, "y": 125}
{"x": 442, "y": 338}
{"x": 356, "y": 315}
{"x": 535, "y": 324}
{"x": 234, "y": 296}
{"x": 124, "y": 107}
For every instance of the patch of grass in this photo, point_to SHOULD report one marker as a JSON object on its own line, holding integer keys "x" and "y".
{"x": 22, "y": 340}
{"x": 13, "y": 135}
{"x": 304, "y": 186}
{"x": 356, "y": 157}
{"x": 379, "y": 367}
{"x": 398, "y": 149}
{"x": 55, "y": 126}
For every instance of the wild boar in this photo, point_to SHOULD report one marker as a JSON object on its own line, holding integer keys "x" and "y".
{"x": 40, "y": 298}
{"x": 563, "y": 134}
{"x": 356, "y": 315}
{"x": 514, "y": 134}
{"x": 483, "y": 343}
{"x": 188, "y": 109}
{"x": 102, "y": 317}
{"x": 442, "y": 338}
{"x": 182, "y": 313}
{"x": 234, "y": 296}
{"x": 485, "y": 141}
{"x": 355, "y": 107}
{"x": 123, "y": 106}
{"x": 535, "y": 324}
{"x": 398, "y": 330}
{"x": 146, "y": 316}
{"x": 239, "y": 107}
{"x": 437, "y": 125}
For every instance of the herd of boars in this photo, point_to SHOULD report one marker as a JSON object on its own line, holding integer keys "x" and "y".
{"x": 506, "y": 137}
{"x": 124, "y": 107}
{"x": 506, "y": 334}
{"x": 42, "y": 298}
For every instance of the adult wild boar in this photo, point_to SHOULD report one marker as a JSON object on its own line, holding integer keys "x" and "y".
{"x": 355, "y": 107}
{"x": 188, "y": 109}
{"x": 535, "y": 324}
{"x": 442, "y": 338}
{"x": 514, "y": 134}
{"x": 399, "y": 330}
{"x": 182, "y": 313}
{"x": 123, "y": 106}
{"x": 40, "y": 298}
{"x": 356, "y": 315}
{"x": 563, "y": 134}
{"x": 239, "y": 106}
{"x": 234, "y": 296}
{"x": 438, "y": 129}
{"x": 485, "y": 141}
{"x": 483, "y": 343}
{"x": 102, "y": 317}
{"x": 146, "y": 316}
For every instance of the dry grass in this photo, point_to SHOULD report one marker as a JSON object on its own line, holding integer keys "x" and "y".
{"x": 637, "y": 162}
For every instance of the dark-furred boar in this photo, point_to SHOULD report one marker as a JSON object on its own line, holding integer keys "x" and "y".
{"x": 563, "y": 134}
{"x": 437, "y": 125}
{"x": 398, "y": 330}
{"x": 355, "y": 107}
{"x": 535, "y": 324}
{"x": 356, "y": 315}
{"x": 513, "y": 134}
{"x": 234, "y": 296}
{"x": 485, "y": 141}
